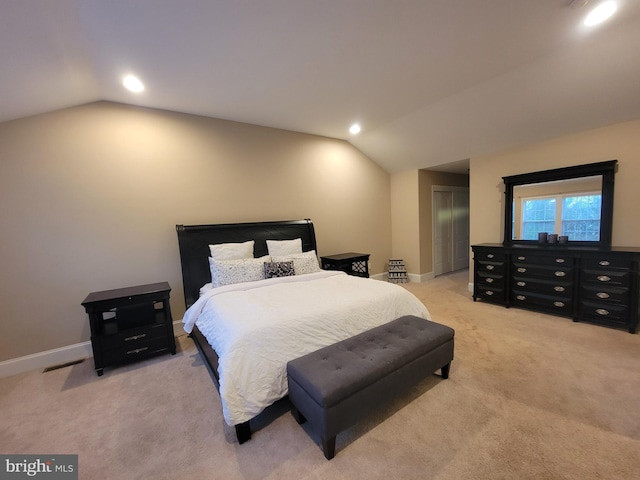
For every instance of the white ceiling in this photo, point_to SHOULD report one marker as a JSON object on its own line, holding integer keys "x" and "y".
{"x": 432, "y": 82}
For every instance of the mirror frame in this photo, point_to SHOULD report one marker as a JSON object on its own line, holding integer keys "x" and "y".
{"x": 606, "y": 169}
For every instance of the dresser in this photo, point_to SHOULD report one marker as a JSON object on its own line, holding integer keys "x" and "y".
{"x": 588, "y": 284}
{"x": 129, "y": 324}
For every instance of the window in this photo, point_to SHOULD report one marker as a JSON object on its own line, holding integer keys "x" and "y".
{"x": 575, "y": 215}
{"x": 581, "y": 217}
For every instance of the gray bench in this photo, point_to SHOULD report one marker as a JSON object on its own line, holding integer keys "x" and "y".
{"x": 338, "y": 385}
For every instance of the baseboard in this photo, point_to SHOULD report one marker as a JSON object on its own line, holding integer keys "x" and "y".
{"x": 45, "y": 359}
{"x": 470, "y": 287}
{"x": 57, "y": 356}
{"x": 413, "y": 277}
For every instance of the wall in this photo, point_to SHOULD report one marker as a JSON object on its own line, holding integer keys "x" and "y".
{"x": 615, "y": 142}
{"x": 405, "y": 219}
{"x": 91, "y": 196}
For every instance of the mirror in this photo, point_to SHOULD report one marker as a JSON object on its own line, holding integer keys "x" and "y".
{"x": 576, "y": 202}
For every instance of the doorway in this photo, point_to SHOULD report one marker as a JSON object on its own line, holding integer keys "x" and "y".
{"x": 450, "y": 228}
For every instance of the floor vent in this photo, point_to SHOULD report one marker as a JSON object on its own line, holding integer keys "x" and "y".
{"x": 62, "y": 365}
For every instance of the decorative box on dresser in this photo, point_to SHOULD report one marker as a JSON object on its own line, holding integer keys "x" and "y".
{"x": 592, "y": 284}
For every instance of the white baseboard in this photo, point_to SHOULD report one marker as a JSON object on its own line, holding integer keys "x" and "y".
{"x": 470, "y": 287}
{"x": 413, "y": 277}
{"x": 41, "y": 360}
{"x": 57, "y": 356}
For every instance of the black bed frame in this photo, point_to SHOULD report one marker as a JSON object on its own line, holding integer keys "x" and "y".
{"x": 194, "y": 241}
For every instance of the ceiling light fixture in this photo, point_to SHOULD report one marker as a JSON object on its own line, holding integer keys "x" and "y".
{"x": 133, "y": 84}
{"x": 601, "y": 13}
{"x": 354, "y": 129}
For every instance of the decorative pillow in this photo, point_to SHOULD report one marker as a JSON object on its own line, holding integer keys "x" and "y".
{"x": 232, "y": 251}
{"x": 306, "y": 262}
{"x": 227, "y": 272}
{"x": 278, "y": 269}
{"x": 284, "y": 247}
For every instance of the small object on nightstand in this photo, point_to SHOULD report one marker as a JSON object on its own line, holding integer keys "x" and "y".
{"x": 356, "y": 264}
{"x": 397, "y": 271}
{"x": 129, "y": 324}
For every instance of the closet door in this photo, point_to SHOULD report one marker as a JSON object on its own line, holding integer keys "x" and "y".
{"x": 442, "y": 232}
{"x": 450, "y": 229}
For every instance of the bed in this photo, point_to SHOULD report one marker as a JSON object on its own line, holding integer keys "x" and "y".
{"x": 248, "y": 330}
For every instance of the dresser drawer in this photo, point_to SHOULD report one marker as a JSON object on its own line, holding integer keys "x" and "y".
{"x": 133, "y": 337}
{"x": 605, "y": 293}
{"x": 494, "y": 293}
{"x": 490, "y": 279}
{"x": 555, "y": 304}
{"x": 542, "y": 271}
{"x": 608, "y": 312}
{"x": 612, "y": 261}
{"x": 559, "y": 287}
{"x": 558, "y": 260}
{"x": 490, "y": 255}
{"x": 606, "y": 277}
{"x": 132, "y": 352}
{"x": 491, "y": 267}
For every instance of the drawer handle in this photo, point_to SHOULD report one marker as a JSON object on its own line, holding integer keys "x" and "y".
{"x": 521, "y": 297}
{"x": 560, "y": 274}
{"x": 490, "y": 267}
{"x": 135, "y": 337}
{"x": 559, "y": 289}
{"x": 559, "y": 260}
{"x": 602, "y": 295}
{"x": 489, "y": 280}
{"x": 489, "y": 292}
{"x": 490, "y": 255}
{"x": 522, "y": 270}
{"x": 522, "y": 258}
{"x": 137, "y": 350}
{"x": 522, "y": 284}
{"x": 604, "y": 278}
{"x": 559, "y": 304}
{"x": 602, "y": 311}
{"x": 604, "y": 263}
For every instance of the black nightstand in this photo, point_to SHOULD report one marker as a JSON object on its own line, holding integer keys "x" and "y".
{"x": 353, "y": 263}
{"x": 129, "y": 324}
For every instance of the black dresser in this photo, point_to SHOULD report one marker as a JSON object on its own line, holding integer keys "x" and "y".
{"x": 129, "y": 324}
{"x": 591, "y": 284}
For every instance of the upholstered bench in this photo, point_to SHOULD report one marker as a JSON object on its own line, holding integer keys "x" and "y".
{"x": 336, "y": 386}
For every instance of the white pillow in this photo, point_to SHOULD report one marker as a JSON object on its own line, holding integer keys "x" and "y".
{"x": 284, "y": 247}
{"x": 232, "y": 251}
{"x": 227, "y": 272}
{"x": 306, "y": 262}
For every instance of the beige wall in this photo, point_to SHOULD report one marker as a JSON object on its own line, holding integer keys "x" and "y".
{"x": 91, "y": 196}
{"x": 405, "y": 219}
{"x": 616, "y": 142}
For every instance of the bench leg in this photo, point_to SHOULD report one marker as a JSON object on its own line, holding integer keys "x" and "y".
{"x": 297, "y": 415}
{"x": 329, "y": 447}
{"x": 243, "y": 432}
{"x": 445, "y": 370}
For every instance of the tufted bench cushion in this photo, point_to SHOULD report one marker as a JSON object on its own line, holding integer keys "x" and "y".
{"x": 337, "y": 385}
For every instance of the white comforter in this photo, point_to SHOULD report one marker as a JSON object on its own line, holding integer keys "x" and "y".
{"x": 257, "y": 327}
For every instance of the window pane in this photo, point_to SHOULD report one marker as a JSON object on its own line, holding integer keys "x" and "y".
{"x": 581, "y": 217}
{"x": 538, "y": 215}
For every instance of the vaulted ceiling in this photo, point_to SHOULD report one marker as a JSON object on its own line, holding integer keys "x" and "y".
{"x": 432, "y": 82}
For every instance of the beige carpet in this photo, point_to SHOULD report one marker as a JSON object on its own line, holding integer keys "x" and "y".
{"x": 530, "y": 396}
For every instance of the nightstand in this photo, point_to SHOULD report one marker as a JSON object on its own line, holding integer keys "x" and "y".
{"x": 129, "y": 324}
{"x": 352, "y": 263}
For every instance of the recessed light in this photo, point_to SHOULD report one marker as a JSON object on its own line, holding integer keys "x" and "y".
{"x": 132, "y": 83}
{"x": 354, "y": 129}
{"x": 601, "y": 13}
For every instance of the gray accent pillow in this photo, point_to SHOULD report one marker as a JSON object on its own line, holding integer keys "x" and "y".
{"x": 278, "y": 269}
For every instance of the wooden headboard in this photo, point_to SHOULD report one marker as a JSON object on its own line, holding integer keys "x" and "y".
{"x": 194, "y": 241}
